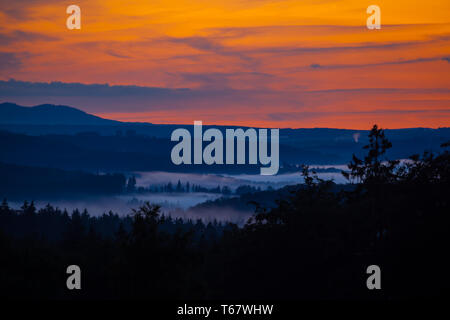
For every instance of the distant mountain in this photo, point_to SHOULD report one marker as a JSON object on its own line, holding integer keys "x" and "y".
{"x": 65, "y": 137}
{"x": 96, "y": 153}
{"x": 48, "y": 114}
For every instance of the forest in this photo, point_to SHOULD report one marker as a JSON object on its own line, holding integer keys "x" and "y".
{"x": 315, "y": 243}
{"x": 18, "y": 182}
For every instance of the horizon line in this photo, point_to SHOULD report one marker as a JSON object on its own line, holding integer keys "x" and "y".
{"x": 99, "y": 115}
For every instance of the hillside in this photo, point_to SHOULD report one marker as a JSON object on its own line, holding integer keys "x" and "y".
{"x": 13, "y": 114}
{"x": 66, "y": 137}
{"x": 19, "y": 182}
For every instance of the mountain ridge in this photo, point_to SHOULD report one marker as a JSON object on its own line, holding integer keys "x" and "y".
{"x": 48, "y": 114}
{"x": 66, "y": 114}
{"x": 96, "y": 143}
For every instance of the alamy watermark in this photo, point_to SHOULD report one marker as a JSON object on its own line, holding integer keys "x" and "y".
{"x": 74, "y": 280}
{"x": 74, "y": 20}
{"x": 213, "y": 152}
{"x": 374, "y": 280}
{"x": 374, "y": 20}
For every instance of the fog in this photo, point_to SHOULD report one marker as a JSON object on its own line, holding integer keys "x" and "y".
{"x": 146, "y": 179}
{"x": 172, "y": 204}
{"x": 179, "y": 204}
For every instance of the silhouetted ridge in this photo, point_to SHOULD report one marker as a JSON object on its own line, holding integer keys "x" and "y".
{"x": 11, "y": 113}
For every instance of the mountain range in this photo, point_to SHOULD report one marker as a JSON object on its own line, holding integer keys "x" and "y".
{"x": 65, "y": 137}
{"x": 45, "y": 114}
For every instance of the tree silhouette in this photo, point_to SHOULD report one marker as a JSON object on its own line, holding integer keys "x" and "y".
{"x": 372, "y": 170}
{"x": 131, "y": 184}
{"x": 315, "y": 242}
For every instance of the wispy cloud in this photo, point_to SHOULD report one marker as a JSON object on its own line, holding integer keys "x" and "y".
{"x": 9, "y": 61}
{"x": 25, "y": 88}
{"x": 378, "y": 64}
{"x": 243, "y": 61}
{"x": 22, "y": 36}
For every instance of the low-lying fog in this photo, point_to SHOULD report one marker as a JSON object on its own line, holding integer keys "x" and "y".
{"x": 179, "y": 204}
{"x": 173, "y": 204}
{"x": 145, "y": 179}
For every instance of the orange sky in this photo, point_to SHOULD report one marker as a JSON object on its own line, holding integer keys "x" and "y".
{"x": 309, "y": 63}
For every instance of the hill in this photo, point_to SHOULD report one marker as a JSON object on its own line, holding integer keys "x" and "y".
{"x": 30, "y": 182}
{"x": 71, "y": 138}
{"x": 13, "y": 114}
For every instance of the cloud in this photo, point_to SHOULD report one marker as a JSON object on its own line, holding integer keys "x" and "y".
{"x": 201, "y": 43}
{"x": 280, "y": 116}
{"x": 221, "y": 80}
{"x": 21, "y": 36}
{"x": 351, "y": 91}
{"x": 9, "y": 61}
{"x": 377, "y": 64}
{"x": 33, "y": 89}
{"x": 21, "y": 9}
{"x": 303, "y": 107}
{"x": 212, "y": 44}
{"x": 214, "y": 101}
{"x": 117, "y": 55}
{"x": 119, "y": 98}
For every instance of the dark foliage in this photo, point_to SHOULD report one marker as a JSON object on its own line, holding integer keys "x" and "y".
{"x": 315, "y": 243}
{"x": 29, "y": 182}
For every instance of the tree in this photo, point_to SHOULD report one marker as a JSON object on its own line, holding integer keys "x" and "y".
{"x": 131, "y": 185}
{"x": 372, "y": 170}
{"x": 4, "y": 207}
{"x": 179, "y": 187}
{"x": 145, "y": 221}
{"x": 226, "y": 190}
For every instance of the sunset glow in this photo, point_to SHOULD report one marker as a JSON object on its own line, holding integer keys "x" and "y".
{"x": 263, "y": 63}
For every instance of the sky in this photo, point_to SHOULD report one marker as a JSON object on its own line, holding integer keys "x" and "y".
{"x": 261, "y": 63}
